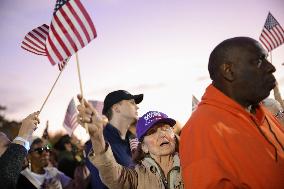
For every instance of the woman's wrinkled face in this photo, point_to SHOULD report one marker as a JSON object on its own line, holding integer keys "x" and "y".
{"x": 159, "y": 140}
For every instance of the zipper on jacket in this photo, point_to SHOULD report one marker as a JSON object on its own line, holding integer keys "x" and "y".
{"x": 162, "y": 174}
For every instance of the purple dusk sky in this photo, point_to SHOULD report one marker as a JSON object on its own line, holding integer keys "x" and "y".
{"x": 156, "y": 47}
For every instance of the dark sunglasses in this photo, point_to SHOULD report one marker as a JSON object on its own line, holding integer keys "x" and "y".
{"x": 40, "y": 150}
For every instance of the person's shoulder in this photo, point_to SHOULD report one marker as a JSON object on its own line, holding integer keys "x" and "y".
{"x": 201, "y": 117}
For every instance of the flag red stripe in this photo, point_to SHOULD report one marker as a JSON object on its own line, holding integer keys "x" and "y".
{"x": 268, "y": 36}
{"x": 58, "y": 38}
{"x": 34, "y": 37}
{"x": 35, "y": 52}
{"x": 272, "y": 35}
{"x": 79, "y": 21}
{"x": 44, "y": 29}
{"x": 71, "y": 25}
{"x": 50, "y": 58}
{"x": 36, "y": 46}
{"x": 65, "y": 32}
{"x": 31, "y": 47}
{"x": 281, "y": 32}
{"x": 54, "y": 49}
{"x": 277, "y": 36}
{"x": 87, "y": 16}
{"x": 265, "y": 43}
{"x": 40, "y": 34}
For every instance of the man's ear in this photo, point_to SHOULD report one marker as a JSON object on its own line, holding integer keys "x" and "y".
{"x": 227, "y": 72}
{"x": 115, "y": 108}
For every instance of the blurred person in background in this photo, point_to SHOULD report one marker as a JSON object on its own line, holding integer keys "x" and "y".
{"x": 38, "y": 174}
{"x": 275, "y": 108}
{"x": 66, "y": 153}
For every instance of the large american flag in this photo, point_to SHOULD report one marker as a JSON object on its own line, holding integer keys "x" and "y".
{"x": 70, "y": 121}
{"x": 34, "y": 41}
{"x": 272, "y": 34}
{"x": 71, "y": 29}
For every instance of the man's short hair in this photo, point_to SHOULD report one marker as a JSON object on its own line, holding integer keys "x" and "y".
{"x": 223, "y": 52}
{"x": 109, "y": 113}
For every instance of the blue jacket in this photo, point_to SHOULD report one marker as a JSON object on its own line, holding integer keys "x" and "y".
{"x": 120, "y": 149}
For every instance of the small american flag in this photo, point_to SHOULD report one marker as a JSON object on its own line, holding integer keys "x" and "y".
{"x": 71, "y": 29}
{"x": 98, "y": 105}
{"x": 70, "y": 121}
{"x": 34, "y": 41}
{"x": 272, "y": 34}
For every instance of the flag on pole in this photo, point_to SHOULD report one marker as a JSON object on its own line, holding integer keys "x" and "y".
{"x": 195, "y": 102}
{"x": 34, "y": 41}
{"x": 272, "y": 34}
{"x": 62, "y": 64}
{"x": 70, "y": 30}
{"x": 70, "y": 121}
{"x": 98, "y": 105}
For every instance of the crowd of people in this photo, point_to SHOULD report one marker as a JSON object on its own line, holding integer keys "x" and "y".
{"x": 233, "y": 139}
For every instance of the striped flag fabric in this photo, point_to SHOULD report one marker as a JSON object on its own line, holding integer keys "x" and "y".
{"x": 35, "y": 40}
{"x": 62, "y": 64}
{"x": 70, "y": 30}
{"x": 272, "y": 34}
{"x": 70, "y": 121}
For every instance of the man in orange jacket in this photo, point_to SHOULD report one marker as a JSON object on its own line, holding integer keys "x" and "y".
{"x": 231, "y": 141}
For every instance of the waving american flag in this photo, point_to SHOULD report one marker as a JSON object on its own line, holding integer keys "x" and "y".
{"x": 272, "y": 34}
{"x": 70, "y": 30}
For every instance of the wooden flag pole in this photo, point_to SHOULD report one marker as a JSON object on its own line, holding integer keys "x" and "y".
{"x": 50, "y": 91}
{"x": 81, "y": 86}
{"x": 277, "y": 94}
{"x": 79, "y": 74}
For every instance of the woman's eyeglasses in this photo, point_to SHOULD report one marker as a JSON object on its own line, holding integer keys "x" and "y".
{"x": 40, "y": 150}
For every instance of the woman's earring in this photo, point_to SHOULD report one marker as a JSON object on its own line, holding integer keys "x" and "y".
{"x": 30, "y": 166}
